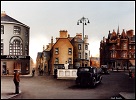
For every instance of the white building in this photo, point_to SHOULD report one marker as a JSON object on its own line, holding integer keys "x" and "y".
{"x": 14, "y": 45}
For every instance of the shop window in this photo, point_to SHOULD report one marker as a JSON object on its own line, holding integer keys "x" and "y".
{"x": 4, "y": 67}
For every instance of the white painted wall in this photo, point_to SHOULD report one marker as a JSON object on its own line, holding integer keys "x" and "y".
{"x": 8, "y": 34}
{"x": 66, "y": 73}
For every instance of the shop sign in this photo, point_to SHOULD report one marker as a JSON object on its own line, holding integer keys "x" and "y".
{"x": 14, "y": 57}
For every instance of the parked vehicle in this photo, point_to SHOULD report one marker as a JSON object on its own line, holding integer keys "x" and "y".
{"x": 105, "y": 69}
{"x": 88, "y": 76}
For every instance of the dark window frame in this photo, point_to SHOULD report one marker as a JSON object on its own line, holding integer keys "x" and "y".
{"x": 56, "y": 60}
{"x": 70, "y": 51}
{"x": 79, "y": 47}
{"x": 16, "y": 48}
{"x": 17, "y": 30}
{"x": 2, "y": 29}
{"x": 86, "y": 47}
{"x": 86, "y": 55}
{"x": 79, "y": 55}
{"x": 2, "y": 48}
{"x": 70, "y": 60}
{"x": 56, "y": 50}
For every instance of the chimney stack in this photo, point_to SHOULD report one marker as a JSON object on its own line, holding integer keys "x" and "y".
{"x": 63, "y": 34}
{"x": 79, "y": 35}
{"x": 3, "y": 13}
{"x": 51, "y": 41}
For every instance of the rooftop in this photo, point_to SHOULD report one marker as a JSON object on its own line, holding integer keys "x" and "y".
{"x": 6, "y": 18}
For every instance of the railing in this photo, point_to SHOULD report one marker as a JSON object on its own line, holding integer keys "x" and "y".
{"x": 66, "y": 73}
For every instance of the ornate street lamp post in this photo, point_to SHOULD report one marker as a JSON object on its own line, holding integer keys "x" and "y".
{"x": 84, "y": 21}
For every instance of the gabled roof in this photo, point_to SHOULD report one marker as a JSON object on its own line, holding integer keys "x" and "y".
{"x": 6, "y": 18}
{"x": 70, "y": 38}
{"x": 60, "y": 39}
{"x": 78, "y": 40}
{"x": 39, "y": 54}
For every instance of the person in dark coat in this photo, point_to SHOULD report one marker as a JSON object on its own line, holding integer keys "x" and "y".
{"x": 33, "y": 72}
{"x": 7, "y": 71}
{"x": 16, "y": 80}
{"x": 130, "y": 73}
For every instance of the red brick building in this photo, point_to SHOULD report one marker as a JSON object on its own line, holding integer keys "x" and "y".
{"x": 118, "y": 49}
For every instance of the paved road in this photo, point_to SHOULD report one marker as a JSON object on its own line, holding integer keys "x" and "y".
{"x": 46, "y": 87}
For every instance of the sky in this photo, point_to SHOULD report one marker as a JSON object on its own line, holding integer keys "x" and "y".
{"x": 47, "y": 18}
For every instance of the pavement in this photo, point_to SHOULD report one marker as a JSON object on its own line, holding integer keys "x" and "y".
{"x": 127, "y": 95}
{"x": 8, "y": 90}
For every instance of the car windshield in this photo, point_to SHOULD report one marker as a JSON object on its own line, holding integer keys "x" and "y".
{"x": 85, "y": 70}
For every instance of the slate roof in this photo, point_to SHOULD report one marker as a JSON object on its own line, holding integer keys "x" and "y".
{"x": 6, "y": 18}
{"x": 39, "y": 54}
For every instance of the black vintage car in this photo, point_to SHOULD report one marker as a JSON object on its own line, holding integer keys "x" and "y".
{"x": 105, "y": 69}
{"x": 88, "y": 76}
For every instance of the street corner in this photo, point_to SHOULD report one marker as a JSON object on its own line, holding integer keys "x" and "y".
{"x": 9, "y": 95}
{"x": 127, "y": 95}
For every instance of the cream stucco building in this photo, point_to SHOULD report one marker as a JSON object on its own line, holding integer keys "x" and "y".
{"x": 14, "y": 45}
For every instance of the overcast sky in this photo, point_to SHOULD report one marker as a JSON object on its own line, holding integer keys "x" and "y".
{"x": 46, "y": 19}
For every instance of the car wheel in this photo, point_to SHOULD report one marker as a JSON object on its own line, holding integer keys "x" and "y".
{"x": 94, "y": 82}
{"x": 100, "y": 79}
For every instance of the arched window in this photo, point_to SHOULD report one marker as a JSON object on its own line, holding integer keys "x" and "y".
{"x": 123, "y": 54}
{"x": 15, "y": 47}
{"x": 114, "y": 54}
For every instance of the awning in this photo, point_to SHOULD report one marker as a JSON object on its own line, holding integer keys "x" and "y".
{"x": 132, "y": 62}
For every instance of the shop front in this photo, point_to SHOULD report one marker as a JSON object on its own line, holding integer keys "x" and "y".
{"x": 9, "y": 63}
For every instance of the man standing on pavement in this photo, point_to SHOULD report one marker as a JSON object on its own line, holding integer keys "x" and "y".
{"x": 66, "y": 65}
{"x": 33, "y": 72}
{"x": 16, "y": 80}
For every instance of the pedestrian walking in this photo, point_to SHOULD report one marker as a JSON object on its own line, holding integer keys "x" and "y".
{"x": 33, "y": 72}
{"x": 7, "y": 71}
{"x": 3, "y": 71}
{"x": 55, "y": 73}
{"x": 130, "y": 73}
{"x": 16, "y": 80}
{"x": 112, "y": 68}
{"x": 117, "y": 69}
{"x": 42, "y": 72}
{"x": 49, "y": 72}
